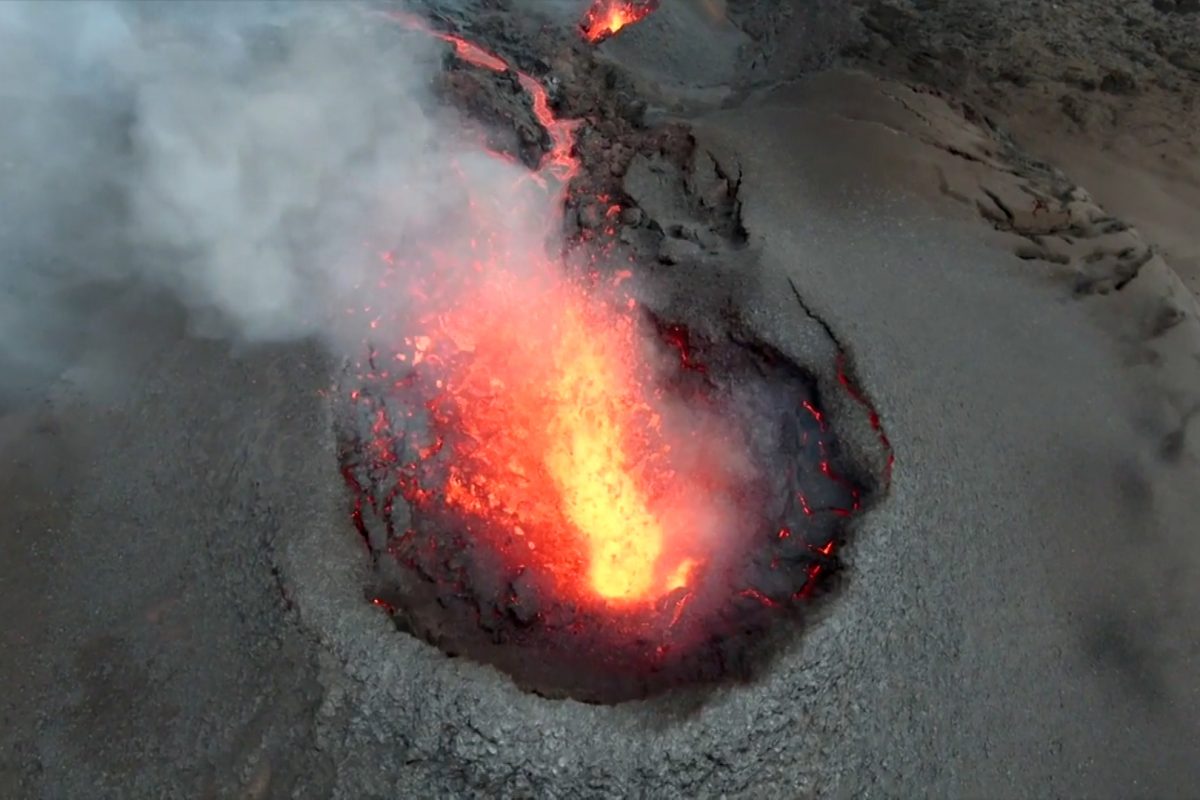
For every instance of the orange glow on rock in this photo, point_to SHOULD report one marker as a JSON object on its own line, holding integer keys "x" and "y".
{"x": 560, "y": 440}
{"x": 606, "y": 17}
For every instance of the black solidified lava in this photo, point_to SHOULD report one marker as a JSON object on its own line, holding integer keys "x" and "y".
{"x": 449, "y": 587}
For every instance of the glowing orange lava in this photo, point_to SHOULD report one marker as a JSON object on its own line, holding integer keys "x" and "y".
{"x": 561, "y": 441}
{"x": 606, "y": 17}
{"x": 544, "y": 406}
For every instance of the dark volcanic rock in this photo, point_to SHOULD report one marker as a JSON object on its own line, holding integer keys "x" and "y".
{"x": 504, "y": 110}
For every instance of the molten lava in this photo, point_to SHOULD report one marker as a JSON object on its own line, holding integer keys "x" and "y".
{"x": 556, "y": 436}
{"x": 606, "y": 17}
{"x": 541, "y": 422}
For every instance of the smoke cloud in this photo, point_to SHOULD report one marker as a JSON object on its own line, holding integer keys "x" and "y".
{"x": 251, "y": 159}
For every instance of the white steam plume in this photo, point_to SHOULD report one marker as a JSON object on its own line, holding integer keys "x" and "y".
{"x": 251, "y": 158}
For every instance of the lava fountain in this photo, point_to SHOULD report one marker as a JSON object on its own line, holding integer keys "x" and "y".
{"x": 606, "y": 17}
{"x": 554, "y": 435}
{"x": 551, "y": 479}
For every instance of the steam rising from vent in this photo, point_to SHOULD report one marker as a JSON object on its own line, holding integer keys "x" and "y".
{"x": 249, "y": 158}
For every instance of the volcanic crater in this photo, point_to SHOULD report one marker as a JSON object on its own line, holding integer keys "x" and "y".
{"x": 603, "y": 495}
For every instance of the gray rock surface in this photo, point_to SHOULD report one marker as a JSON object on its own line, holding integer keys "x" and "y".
{"x": 149, "y": 650}
{"x": 1030, "y": 483}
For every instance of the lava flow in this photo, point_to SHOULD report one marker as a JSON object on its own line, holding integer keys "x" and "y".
{"x": 606, "y": 17}
{"x": 541, "y": 423}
